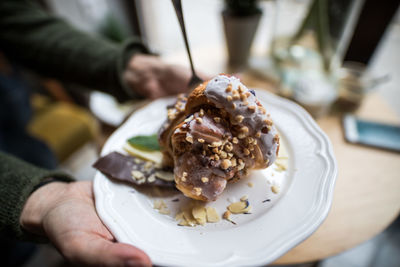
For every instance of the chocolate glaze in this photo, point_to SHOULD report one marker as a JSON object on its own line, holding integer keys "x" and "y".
{"x": 192, "y": 138}
{"x": 216, "y": 93}
{"x": 191, "y": 164}
{"x": 119, "y": 167}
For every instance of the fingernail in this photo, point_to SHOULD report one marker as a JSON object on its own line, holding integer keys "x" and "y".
{"x": 132, "y": 263}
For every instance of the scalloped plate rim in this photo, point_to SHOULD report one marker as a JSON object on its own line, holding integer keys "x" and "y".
{"x": 309, "y": 226}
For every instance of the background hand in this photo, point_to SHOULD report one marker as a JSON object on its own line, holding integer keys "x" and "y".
{"x": 152, "y": 78}
{"x": 65, "y": 214}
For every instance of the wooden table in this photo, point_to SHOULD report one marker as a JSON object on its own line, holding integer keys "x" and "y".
{"x": 367, "y": 193}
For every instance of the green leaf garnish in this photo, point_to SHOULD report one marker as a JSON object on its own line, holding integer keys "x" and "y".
{"x": 145, "y": 142}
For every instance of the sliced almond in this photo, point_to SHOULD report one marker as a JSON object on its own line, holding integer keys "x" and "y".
{"x": 244, "y": 198}
{"x": 212, "y": 215}
{"x": 137, "y": 175}
{"x": 199, "y": 214}
{"x": 166, "y": 176}
{"x": 152, "y": 178}
{"x": 154, "y": 156}
{"x": 181, "y": 219}
{"x": 239, "y": 207}
{"x": 187, "y": 214}
{"x": 164, "y": 211}
{"x": 281, "y": 166}
{"x": 161, "y": 207}
{"x": 158, "y": 204}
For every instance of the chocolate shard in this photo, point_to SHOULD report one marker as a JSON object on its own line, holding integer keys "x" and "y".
{"x": 131, "y": 169}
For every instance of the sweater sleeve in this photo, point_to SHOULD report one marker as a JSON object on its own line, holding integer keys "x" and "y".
{"x": 52, "y": 47}
{"x": 17, "y": 181}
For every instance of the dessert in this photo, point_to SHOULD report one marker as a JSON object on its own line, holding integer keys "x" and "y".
{"x": 215, "y": 136}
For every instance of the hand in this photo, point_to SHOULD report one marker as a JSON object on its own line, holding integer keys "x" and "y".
{"x": 65, "y": 214}
{"x": 152, "y": 78}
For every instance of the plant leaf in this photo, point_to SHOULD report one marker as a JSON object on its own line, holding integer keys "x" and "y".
{"x": 145, "y": 142}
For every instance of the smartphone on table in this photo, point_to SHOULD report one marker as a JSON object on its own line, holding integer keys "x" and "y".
{"x": 371, "y": 133}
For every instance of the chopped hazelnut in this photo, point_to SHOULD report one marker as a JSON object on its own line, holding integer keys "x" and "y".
{"x": 241, "y": 136}
{"x": 244, "y": 129}
{"x": 216, "y": 144}
{"x": 189, "y": 119}
{"x": 235, "y": 140}
{"x": 275, "y": 189}
{"x": 204, "y": 179}
{"x": 189, "y": 139}
{"x": 184, "y": 175}
{"x": 137, "y": 175}
{"x": 249, "y": 140}
{"x": 252, "y": 108}
{"x": 226, "y": 215}
{"x": 199, "y": 120}
{"x": 245, "y": 103}
{"x": 258, "y": 134}
{"x": 201, "y": 112}
{"x": 246, "y": 151}
{"x": 239, "y": 118}
{"x": 229, "y": 98}
{"x": 223, "y": 155}
{"x": 229, "y": 88}
{"x": 236, "y": 97}
{"x": 228, "y": 147}
{"x": 233, "y": 105}
{"x": 201, "y": 140}
{"x": 197, "y": 191}
{"x": 233, "y": 162}
{"x": 248, "y": 94}
{"x": 217, "y": 119}
{"x": 225, "y": 164}
{"x": 241, "y": 89}
{"x": 267, "y": 122}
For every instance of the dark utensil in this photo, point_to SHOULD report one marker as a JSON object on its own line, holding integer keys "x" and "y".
{"x": 195, "y": 80}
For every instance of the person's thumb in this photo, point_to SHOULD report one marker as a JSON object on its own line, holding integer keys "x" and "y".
{"x": 101, "y": 252}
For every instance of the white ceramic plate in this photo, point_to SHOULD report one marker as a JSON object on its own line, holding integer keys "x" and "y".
{"x": 107, "y": 109}
{"x": 273, "y": 227}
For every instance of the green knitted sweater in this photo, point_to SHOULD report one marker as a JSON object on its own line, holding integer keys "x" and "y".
{"x": 52, "y": 47}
